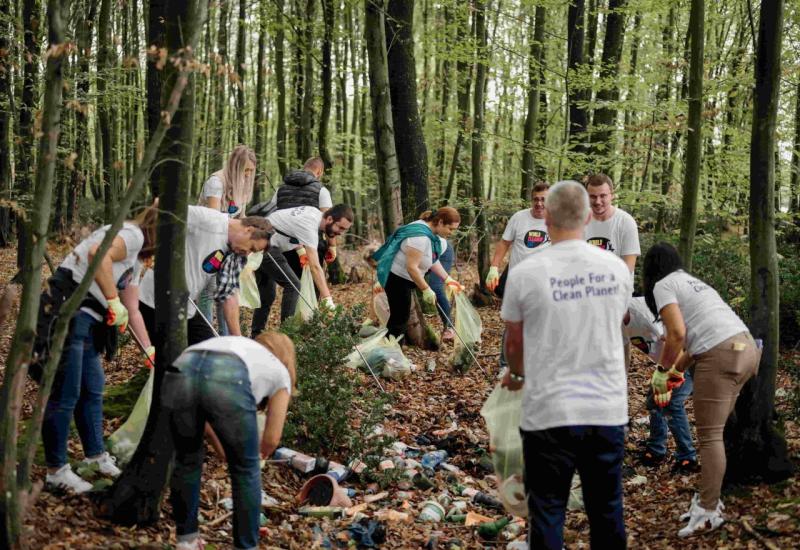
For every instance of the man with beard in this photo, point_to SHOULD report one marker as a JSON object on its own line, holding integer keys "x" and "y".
{"x": 611, "y": 228}
{"x": 296, "y": 228}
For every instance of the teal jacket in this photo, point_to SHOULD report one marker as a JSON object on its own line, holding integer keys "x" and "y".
{"x": 386, "y": 253}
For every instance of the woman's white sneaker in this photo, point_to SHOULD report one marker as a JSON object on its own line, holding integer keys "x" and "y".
{"x": 68, "y": 480}
{"x": 702, "y": 520}
{"x": 106, "y": 464}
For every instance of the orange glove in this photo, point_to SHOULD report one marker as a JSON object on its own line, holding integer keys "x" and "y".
{"x": 301, "y": 253}
{"x": 453, "y": 284}
{"x": 150, "y": 362}
{"x": 330, "y": 255}
{"x": 117, "y": 314}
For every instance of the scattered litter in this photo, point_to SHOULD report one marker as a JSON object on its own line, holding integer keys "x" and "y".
{"x": 492, "y": 529}
{"x": 368, "y": 533}
{"x": 432, "y": 459}
{"x": 302, "y": 462}
{"x": 432, "y": 512}
{"x": 333, "y": 512}
{"x": 637, "y": 480}
{"x": 473, "y": 518}
{"x": 393, "y": 516}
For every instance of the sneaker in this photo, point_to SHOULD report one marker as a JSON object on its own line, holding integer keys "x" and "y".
{"x": 702, "y": 520}
{"x": 687, "y": 466}
{"x": 649, "y": 458}
{"x": 106, "y": 464}
{"x": 194, "y": 544}
{"x": 68, "y": 480}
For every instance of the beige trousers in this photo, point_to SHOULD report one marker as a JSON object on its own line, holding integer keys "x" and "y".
{"x": 719, "y": 375}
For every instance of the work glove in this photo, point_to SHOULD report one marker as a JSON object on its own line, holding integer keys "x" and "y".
{"x": 454, "y": 285}
{"x": 330, "y": 255}
{"x": 150, "y": 362}
{"x": 666, "y": 381}
{"x": 492, "y": 278}
{"x": 327, "y": 301}
{"x": 301, "y": 253}
{"x": 662, "y": 399}
{"x": 429, "y": 297}
{"x": 117, "y": 314}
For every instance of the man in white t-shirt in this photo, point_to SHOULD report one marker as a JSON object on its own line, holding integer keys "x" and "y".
{"x": 611, "y": 228}
{"x": 563, "y": 311}
{"x": 210, "y": 237}
{"x": 296, "y": 230}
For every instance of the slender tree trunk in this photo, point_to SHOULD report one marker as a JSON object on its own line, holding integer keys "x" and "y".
{"x": 592, "y": 22}
{"x": 630, "y": 139}
{"x": 444, "y": 101}
{"x": 412, "y": 153}
{"x": 6, "y": 114}
{"x": 12, "y": 500}
{"x": 280, "y": 86}
{"x": 477, "y": 141}
{"x": 662, "y": 99}
{"x": 156, "y": 38}
{"x": 326, "y": 82}
{"x": 578, "y": 117}
{"x": 694, "y": 140}
{"x": 261, "y": 118}
{"x": 306, "y": 137}
{"x": 135, "y": 497}
{"x": 105, "y": 120}
{"x": 241, "y": 70}
{"x": 382, "y": 122}
{"x": 795, "y": 182}
{"x": 532, "y": 118}
{"x": 221, "y": 78}
{"x": 758, "y": 448}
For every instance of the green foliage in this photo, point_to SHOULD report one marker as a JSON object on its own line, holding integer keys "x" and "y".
{"x": 336, "y": 408}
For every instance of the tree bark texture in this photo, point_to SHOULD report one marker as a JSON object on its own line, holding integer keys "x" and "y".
{"x": 306, "y": 137}
{"x": 795, "y": 181}
{"x": 326, "y": 82}
{"x": 6, "y": 114}
{"x": 241, "y": 70}
{"x": 578, "y": 117}
{"x": 529, "y": 174}
{"x": 280, "y": 86}
{"x": 221, "y": 90}
{"x": 481, "y": 232}
{"x": 412, "y": 153}
{"x": 106, "y": 168}
{"x": 261, "y": 120}
{"x": 464, "y": 65}
{"x": 154, "y": 78}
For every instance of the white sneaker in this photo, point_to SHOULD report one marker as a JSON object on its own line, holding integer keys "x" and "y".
{"x": 106, "y": 463}
{"x": 701, "y": 519}
{"x": 196, "y": 544}
{"x": 692, "y": 507}
{"x": 68, "y": 480}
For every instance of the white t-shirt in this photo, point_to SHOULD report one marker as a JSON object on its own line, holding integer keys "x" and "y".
{"x": 123, "y": 271}
{"x": 642, "y": 331}
{"x": 618, "y": 234}
{"x": 301, "y": 223}
{"x": 325, "y": 200}
{"x": 709, "y": 320}
{"x": 213, "y": 188}
{"x": 423, "y": 244}
{"x": 267, "y": 374}
{"x": 526, "y": 233}
{"x": 206, "y": 247}
{"x": 571, "y": 300}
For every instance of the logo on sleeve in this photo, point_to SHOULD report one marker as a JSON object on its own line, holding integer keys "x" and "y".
{"x": 232, "y": 208}
{"x": 601, "y": 242}
{"x": 125, "y": 279}
{"x": 213, "y": 261}
{"x": 534, "y": 238}
{"x": 641, "y": 343}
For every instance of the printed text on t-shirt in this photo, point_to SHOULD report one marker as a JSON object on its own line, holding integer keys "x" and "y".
{"x": 579, "y": 287}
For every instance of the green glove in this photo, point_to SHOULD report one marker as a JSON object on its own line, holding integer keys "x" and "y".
{"x": 429, "y": 297}
{"x": 492, "y": 278}
{"x": 117, "y": 314}
{"x": 666, "y": 381}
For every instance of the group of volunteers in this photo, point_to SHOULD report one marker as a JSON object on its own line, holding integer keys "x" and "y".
{"x": 569, "y": 321}
{"x": 216, "y": 378}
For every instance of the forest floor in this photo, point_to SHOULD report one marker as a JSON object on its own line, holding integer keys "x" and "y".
{"x": 438, "y": 403}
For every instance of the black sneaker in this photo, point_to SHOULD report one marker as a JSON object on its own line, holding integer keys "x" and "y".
{"x": 649, "y": 458}
{"x": 687, "y": 466}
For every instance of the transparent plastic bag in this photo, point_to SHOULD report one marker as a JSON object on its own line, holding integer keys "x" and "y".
{"x": 306, "y": 307}
{"x": 124, "y": 441}
{"x": 387, "y": 355}
{"x": 502, "y": 412}
{"x": 380, "y": 306}
{"x": 248, "y": 287}
{"x": 469, "y": 327}
{"x": 354, "y": 359}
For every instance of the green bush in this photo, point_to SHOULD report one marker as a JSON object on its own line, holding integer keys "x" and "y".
{"x": 789, "y": 267}
{"x": 336, "y": 408}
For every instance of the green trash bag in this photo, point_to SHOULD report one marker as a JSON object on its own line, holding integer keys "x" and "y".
{"x": 306, "y": 308}
{"x": 123, "y": 442}
{"x": 502, "y": 412}
{"x": 469, "y": 327}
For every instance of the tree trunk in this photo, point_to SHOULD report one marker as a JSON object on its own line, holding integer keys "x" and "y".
{"x": 578, "y": 118}
{"x": 382, "y": 123}
{"x": 758, "y": 449}
{"x": 280, "y": 85}
{"x": 306, "y": 141}
{"x": 6, "y": 114}
{"x": 592, "y": 22}
{"x": 221, "y": 79}
{"x": 326, "y": 79}
{"x": 24, "y": 333}
{"x": 444, "y": 100}
{"x": 156, "y": 38}
{"x": 135, "y": 498}
{"x": 261, "y": 117}
{"x": 662, "y": 99}
{"x": 106, "y": 168}
{"x": 532, "y": 118}
{"x": 477, "y": 141}
{"x": 412, "y": 153}
{"x": 694, "y": 139}
{"x": 241, "y": 70}
{"x": 794, "y": 205}
{"x": 605, "y": 116}
{"x": 629, "y": 139}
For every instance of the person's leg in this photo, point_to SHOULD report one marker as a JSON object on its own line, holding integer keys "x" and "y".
{"x": 549, "y": 466}
{"x": 398, "y": 292}
{"x": 205, "y": 302}
{"x": 221, "y": 324}
{"x": 149, "y": 318}
{"x": 231, "y": 407}
{"x": 89, "y": 409}
{"x": 266, "y": 293}
{"x": 437, "y": 285}
{"x": 294, "y": 262}
{"x": 657, "y": 441}
{"x": 198, "y": 330}
{"x": 719, "y": 375}
{"x": 279, "y": 271}
{"x": 679, "y": 421}
{"x": 503, "y": 361}
{"x": 600, "y": 454}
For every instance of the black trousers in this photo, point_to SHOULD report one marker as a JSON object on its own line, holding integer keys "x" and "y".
{"x": 197, "y": 330}
{"x": 398, "y": 292}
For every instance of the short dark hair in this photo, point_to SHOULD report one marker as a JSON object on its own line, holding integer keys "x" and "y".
{"x": 340, "y": 211}
{"x": 596, "y": 180}
{"x": 261, "y": 227}
{"x": 539, "y": 187}
{"x": 661, "y": 260}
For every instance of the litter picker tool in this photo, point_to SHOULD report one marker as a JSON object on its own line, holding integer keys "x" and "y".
{"x": 461, "y": 339}
{"x": 200, "y": 313}
{"x": 138, "y": 342}
{"x": 285, "y": 276}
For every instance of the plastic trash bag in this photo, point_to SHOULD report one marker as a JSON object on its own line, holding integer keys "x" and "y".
{"x": 502, "y": 415}
{"x": 469, "y": 327}
{"x": 380, "y": 306}
{"x": 123, "y": 442}
{"x": 354, "y": 359}
{"x": 248, "y": 287}
{"x": 306, "y": 307}
{"x": 387, "y": 355}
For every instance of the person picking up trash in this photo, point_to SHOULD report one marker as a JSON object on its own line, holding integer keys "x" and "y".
{"x": 224, "y": 381}
{"x": 563, "y": 311}
{"x": 407, "y": 255}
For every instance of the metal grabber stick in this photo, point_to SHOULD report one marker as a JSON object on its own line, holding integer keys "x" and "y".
{"x": 312, "y": 307}
{"x": 461, "y": 339}
{"x": 200, "y": 313}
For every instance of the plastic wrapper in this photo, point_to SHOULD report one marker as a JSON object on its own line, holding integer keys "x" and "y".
{"x": 306, "y": 307}
{"x": 123, "y": 442}
{"x": 469, "y": 327}
{"x": 248, "y": 287}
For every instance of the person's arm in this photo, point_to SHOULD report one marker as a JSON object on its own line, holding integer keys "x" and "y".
{"x": 514, "y": 356}
{"x": 439, "y": 270}
{"x": 213, "y": 203}
{"x": 230, "y": 310}
{"x": 130, "y": 299}
{"x": 317, "y": 273}
{"x": 276, "y": 417}
{"x": 675, "y": 337}
{"x": 630, "y": 261}
{"x": 413, "y": 258}
{"x": 500, "y": 251}
{"x": 104, "y": 277}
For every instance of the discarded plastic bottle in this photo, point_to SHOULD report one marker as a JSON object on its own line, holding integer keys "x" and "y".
{"x": 492, "y": 529}
{"x": 444, "y": 499}
{"x": 432, "y": 459}
{"x": 485, "y": 500}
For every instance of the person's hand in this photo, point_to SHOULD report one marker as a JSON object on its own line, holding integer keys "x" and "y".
{"x": 301, "y": 253}
{"x": 662, "y": 399}
{"x": 150, "y": 362}
{"x": 117, "y": 314}
{"x": 454, "y": 285}
{"x": 429, "y": 297}
{"x": 492, "y": 278}
{"x": 330, "y": 255}
{"x": 327, "y": 302}
{"x": 511, "y": 385}
{"x": 666, "y": 381}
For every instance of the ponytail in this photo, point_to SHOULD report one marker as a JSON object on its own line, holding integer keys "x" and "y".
{"x": 444, "y": 215}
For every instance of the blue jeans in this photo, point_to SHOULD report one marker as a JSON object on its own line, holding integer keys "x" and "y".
{"x": 77, "y": 391}
{"x": 551, "y": 458}
{"x": 215, "y": 388}
{"x": 674, "y": 417}
{"x": 437, "y": 285}
{"x": 207, "y": 305}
